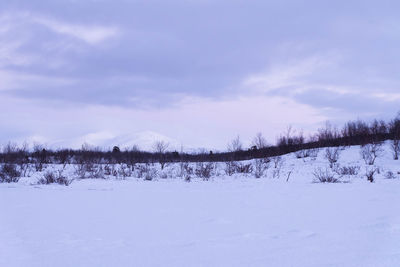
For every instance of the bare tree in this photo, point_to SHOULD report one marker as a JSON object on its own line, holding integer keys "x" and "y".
{"x": 328, "y": 133}
{"x": 370, "y": 152}
{"x": 160, "y": 147}
{"x": 235, "y": 145}
{"x": 23, "y": 159}
{"x": 395, "y": 145}
{"x": 259, "y": 141}
{"x": 332, "y": 154}
{"x": 394, "y": 130}
{"x": 133, "y": 148}
{"x": 63, "y": 157}
{"x": 10, "y": 151}
{"x": 41, "y": 156}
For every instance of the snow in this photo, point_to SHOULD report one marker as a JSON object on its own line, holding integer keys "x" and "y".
{"x": 227, "y": 221}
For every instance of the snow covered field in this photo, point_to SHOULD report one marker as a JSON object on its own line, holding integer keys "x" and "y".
{"x": 227, "y": 221}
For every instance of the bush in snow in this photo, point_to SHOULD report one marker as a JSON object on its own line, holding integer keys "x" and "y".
{"x": 332, "y": 154}
{"x": 54, "y": 178}
{"x": 244, "y": 168}
{"x": 349, "y": 170}
{"x": 390, "y": 175}
{"x": 395, "y": 146}
{"x": 305, "y": 153}
{"x": 370, "y": 152}
{"x": 151, "y": 174}
{"x": 124, "y": 171}
{"x": 325, "y": 176}
{"x": 260, "y": 166}
{"x": 9, "y": 173}
{"x": 370, "y": 173}
{"x": 230, "y": 167}
{"x": 186, "y": 171}
{"x": 204, "y": 170}
{"x": 146, "y": 172}
{"x": 278, "y": 162}
{"x": 94, "y": 171}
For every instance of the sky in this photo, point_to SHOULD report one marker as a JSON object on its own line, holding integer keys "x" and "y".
{"x": 198, "y": 72}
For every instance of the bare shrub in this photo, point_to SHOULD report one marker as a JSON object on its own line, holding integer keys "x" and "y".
{"x": 260, "y": 167}
{"x": 124, "y": 171}
{"x": 395, "y": 146}
{"x": 151, "y": 174}
{"x": 370, "y": 152}
{"x": 94, "y": 171}
{"x": 147, "y": 172}
{"x": 278, "y": 162}
{"x": 204, "y": 170}
{"x": 186, "y": 171}
{"x": 165, "y": 174}
{"x": 313, "y": 153}
{"x": 230, "y": 168}
{"x": 305, "y": 153}
{"x": 348, "y": 170}
{"x": 109, "y": 169}
{"x": 370, "y": 173}
{"x": 332, "y": 154}
{"x": 390, "y": 175}
{"x": 141, "y": 170}
{"x": 9, "y": 173}
{"x": 51, "y": 177}
{"x": 276, "y": 173}
{"x": 244, "y": 168}
{"x": 85, "y": 164}
{"x": 301, "y": 154}
{"x": 97, "y": 172}
{"x": 325, "y": 176}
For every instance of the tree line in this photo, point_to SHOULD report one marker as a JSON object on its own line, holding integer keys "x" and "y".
{"x": 356, "y": 132}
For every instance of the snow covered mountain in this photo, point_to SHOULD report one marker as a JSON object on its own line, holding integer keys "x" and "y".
{"x": 144, "y": 140}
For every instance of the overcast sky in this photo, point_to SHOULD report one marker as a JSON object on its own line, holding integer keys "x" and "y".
{"x": 198, "y": 71}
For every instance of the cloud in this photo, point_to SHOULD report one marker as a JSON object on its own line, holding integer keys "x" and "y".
{"x": 318, "y": 81}
{"x": 123, "y": 66}
{"x": 90, "y": 34}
